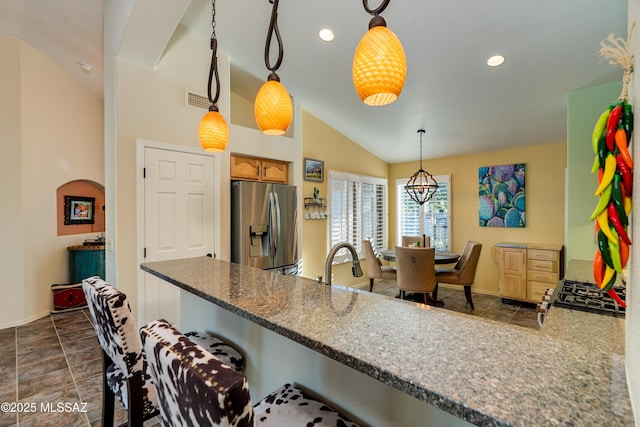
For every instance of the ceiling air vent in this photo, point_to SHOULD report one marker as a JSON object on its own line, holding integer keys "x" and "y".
{"x": 196, "y": 100}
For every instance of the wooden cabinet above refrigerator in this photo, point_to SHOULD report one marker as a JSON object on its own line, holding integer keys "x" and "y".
{"x": 248, "y": 168}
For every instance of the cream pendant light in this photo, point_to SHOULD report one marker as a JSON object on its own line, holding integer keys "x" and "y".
{"x": 422, "y": 185}
{"x": 213, "y": 130}
{"x": 273, "y": 109}
{"x": 379, "y": 64}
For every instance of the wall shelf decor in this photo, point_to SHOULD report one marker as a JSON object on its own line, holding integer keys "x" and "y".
{"x": 316, "y": 208}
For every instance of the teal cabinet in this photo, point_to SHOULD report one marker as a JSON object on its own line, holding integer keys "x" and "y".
{"x": 85, "y": 261}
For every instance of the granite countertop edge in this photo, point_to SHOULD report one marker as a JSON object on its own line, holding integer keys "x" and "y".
{"x": 478, "y": 413}
{"x": 438, "y": 400}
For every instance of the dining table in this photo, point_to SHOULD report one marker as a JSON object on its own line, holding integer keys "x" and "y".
{"x": 441, "y": 256}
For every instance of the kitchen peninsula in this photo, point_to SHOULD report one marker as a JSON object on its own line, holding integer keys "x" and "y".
{"x": 476, "y": 370}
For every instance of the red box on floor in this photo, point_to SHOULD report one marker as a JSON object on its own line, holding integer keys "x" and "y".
{"x": 68, "y": 297}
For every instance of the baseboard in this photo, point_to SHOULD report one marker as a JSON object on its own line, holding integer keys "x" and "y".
{"x": 24, "y": 321}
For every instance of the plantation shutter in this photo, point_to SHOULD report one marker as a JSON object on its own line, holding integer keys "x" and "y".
{"x": 408, "y": 216}
{"x": 432, "y": 219}
{"x": 374, "y": 213}
{"x": 358, "y": 206}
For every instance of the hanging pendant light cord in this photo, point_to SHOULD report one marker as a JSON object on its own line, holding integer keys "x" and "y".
{"x": 421, "y": 132}
{"x": 377, "y": 20}
{"x": 273, "y": 29}
{"x": 213, "y": 70}
{"x": 378, "y": 10}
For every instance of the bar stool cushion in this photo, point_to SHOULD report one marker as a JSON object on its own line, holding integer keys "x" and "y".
{"x": 219, "y": 348}
{"x": 290, "y": 402}
{"x": 196, "y": 389}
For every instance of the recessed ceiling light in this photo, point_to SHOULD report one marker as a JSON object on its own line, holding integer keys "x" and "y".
{"x": 495, "y": 61}
{"x": 326, "y": 34}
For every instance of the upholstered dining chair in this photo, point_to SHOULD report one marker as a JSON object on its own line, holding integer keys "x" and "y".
{"x": 464, "y": 272}
{"x": 416, "y": 270}
{"x": 375, "y": 269}
{"x": 423, "y": 241}
{"x": 125, "y": 373}
{"x": 197, "y": 389}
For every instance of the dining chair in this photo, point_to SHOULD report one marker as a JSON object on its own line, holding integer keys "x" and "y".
{"x": 464, "y": 272}
{"x": 125, "y": 373}
{"x": 423, "y": 241}
{"x": 375, "y": 269}
{"x": 197, "y": 389}
{"x": 416, "y": 270}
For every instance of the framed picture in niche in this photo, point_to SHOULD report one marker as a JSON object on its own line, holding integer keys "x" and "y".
{"x": 79, "y": 210}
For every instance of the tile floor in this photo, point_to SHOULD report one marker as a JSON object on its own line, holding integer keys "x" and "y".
{"x": 57, "y": 360}
{"x": 51, "y": 362}
{"x": 486, "y": 306}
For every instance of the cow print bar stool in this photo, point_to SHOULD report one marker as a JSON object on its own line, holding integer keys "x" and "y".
{"x": 125, "y": 371}
{"x": 197, "y": 389}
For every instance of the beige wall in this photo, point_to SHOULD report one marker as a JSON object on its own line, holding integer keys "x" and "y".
{"x": 54, "y": 135}
{"x": 12, "y": 256}
{"x": 544, "y": 187}
{"x": 150, "y": 106}
{"x": 340, "y": 154}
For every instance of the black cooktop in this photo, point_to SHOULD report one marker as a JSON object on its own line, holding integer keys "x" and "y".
{"x": 588, "y": 297}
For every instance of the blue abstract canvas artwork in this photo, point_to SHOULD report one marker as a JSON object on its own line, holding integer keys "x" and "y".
{"x": 501, "y": 196}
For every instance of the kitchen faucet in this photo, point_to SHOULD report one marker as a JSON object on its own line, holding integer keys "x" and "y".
{"x": 355, "y": 268}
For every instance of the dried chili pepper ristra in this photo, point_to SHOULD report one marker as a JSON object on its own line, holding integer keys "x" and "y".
{"x": 613, "y": 294}
{"x": 603, "y": 247}
{"x": 614, "y": 252}
{"x": 624, "y": 253}
{"x": 602, "y": 151}
{"x": 598, "y": 268}
{"x": 609, "y": 171}
{"x": 604, "y": 200}
{"x": 596, "y": 164}
{"x": 621, "y": 145}
{"x": 612, "y": 125}
{"x": 612, "y": 213}
{"x": 609, "y": 278}
{"x": 599, "y": 129}
{"x": 617, "y": 195}
{"x": 603, "y": 221}
{"x": 627, "y": 175}
{"x": 627, "y": 120}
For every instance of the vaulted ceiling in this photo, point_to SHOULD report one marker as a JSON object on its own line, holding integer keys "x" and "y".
{"x": 551, "y": 48}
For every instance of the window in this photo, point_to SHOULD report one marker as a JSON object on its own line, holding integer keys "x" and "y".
{"x": 358, "y": 210}
{"x": 432, "y": 218}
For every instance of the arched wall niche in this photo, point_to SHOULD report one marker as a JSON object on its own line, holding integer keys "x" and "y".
{"x": 82, "y": 189}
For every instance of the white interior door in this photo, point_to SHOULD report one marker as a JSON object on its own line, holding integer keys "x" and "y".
{"x": 178, "y": 220}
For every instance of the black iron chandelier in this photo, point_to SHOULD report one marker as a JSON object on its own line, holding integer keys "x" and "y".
{"x": 421, "y": 186}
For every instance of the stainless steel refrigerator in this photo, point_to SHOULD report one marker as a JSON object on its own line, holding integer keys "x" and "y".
{"x": 264, "y": 225}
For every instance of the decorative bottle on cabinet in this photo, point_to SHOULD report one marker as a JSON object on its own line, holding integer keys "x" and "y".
{"x": 85, "y": 261}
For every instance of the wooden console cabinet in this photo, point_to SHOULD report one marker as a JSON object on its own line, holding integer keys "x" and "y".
{"x": 526, "y": 270}
{"x": 256, "y": 169}
{"x": 85, "y": 261}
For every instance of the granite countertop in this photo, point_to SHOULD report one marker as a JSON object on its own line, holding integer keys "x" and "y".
{"x": 485, "y": 372}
